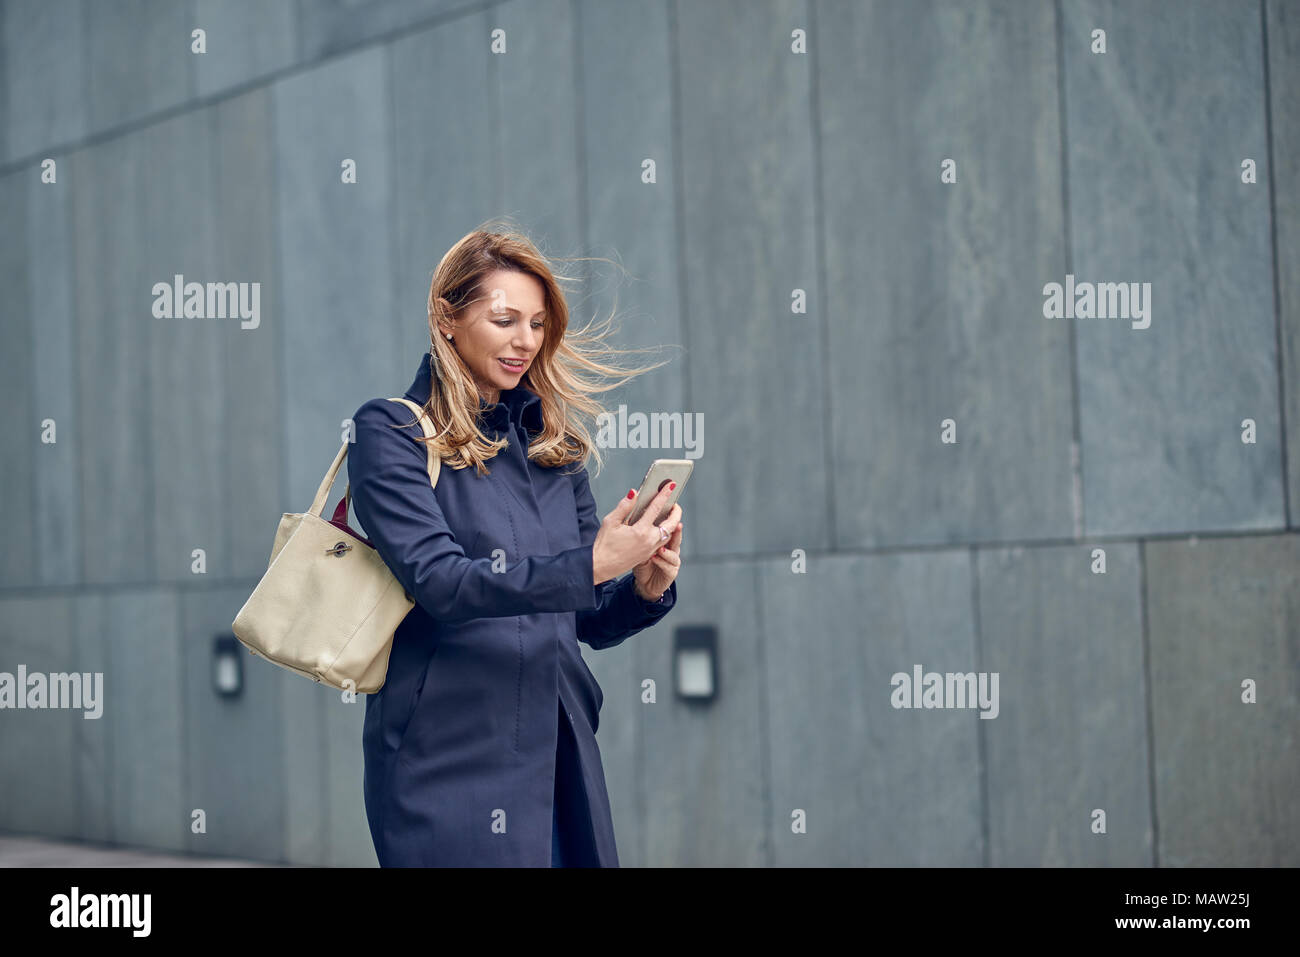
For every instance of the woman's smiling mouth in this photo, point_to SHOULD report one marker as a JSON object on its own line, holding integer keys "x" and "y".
{"x": 516, "y": 366}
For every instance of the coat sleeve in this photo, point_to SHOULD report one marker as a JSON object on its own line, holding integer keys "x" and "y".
{"x": 401, "y": 516}
{"x": 619, "y": 612}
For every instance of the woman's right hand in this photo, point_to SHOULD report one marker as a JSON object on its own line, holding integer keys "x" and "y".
{"x": 619, "y": 548}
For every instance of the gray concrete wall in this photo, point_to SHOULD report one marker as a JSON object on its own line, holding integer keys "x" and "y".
{"x": 833, "y": 537}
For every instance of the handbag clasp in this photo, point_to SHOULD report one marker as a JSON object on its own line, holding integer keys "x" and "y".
{"x": 338, "y": 550}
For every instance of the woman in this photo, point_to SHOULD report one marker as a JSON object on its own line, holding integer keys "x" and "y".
{"x": 480, "y": 748}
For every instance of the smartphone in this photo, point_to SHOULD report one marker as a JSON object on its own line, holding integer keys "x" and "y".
{"x": 660, "y": 473}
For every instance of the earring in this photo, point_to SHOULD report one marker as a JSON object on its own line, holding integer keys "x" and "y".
{"x": 449, "y": 335}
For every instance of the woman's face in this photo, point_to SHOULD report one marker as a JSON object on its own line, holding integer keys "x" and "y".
{"x": 506, "y": 323}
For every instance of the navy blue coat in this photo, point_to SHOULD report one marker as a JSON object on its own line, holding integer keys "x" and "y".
{"x": 460, "y": 742}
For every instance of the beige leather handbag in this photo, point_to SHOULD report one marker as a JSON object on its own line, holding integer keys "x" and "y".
{"x": 328, "y": 606}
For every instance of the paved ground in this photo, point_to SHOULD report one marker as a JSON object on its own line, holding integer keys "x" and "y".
{"x": 19, "y": 850}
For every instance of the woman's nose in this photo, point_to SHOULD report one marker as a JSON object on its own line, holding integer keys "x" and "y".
{"x": 530, "y": 341}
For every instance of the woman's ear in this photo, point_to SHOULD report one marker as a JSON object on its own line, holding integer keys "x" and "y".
{"x": 436, "y": 326}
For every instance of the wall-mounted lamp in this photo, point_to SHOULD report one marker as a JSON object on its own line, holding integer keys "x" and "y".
{"x": 695, "y": 662}
{"x": 227, "y": 666}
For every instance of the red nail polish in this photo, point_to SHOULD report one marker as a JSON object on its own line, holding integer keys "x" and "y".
{"x": 631, "y": 492}
{"x": 671, "y": 486}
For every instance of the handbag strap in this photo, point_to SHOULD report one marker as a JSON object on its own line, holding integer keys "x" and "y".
{"x": 318, "y": 503}
{"x": 434, "y": 465}
{"x": 435, "y": 461}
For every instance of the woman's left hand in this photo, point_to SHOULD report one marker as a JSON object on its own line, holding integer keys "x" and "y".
{"x": 656, "y": 573}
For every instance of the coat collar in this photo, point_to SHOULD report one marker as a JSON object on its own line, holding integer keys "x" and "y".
{"x": 517, "y": 405}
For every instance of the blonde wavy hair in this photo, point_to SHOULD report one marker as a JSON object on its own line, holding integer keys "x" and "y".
{"x": 555, "y": 375}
